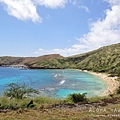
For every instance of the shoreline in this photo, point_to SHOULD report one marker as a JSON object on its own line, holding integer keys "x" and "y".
{"x": 111, "y": 82}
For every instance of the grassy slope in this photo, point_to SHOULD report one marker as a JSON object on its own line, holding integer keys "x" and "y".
{"x": 51, "y": 109}
{"x": 105, "y": 59}
{"x": 62, "y": 114}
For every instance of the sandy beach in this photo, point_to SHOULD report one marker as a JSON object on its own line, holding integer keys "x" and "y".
{"x": 111, "y": 82}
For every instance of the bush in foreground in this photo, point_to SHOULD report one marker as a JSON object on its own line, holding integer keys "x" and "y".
{"x": 19, "y": 91}
{"x": 77, "y": 97}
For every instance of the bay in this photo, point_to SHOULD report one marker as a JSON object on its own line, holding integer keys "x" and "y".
{"x": 55, "y": 83}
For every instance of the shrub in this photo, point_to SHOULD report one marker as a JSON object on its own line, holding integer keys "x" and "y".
{"x": 4, "y": 102}
{"x": 18, "y": 91}
{"x": 77, "y": 97}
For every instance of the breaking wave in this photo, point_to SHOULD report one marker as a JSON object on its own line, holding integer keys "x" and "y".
{"x": 62, "y": 82}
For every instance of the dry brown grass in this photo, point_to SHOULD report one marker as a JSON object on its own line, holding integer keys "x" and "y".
{"x": 110, "y": 112}
{"x": 106, "y": 108}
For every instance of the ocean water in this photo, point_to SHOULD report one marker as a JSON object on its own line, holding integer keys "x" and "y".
{"x": 53, "y": 83}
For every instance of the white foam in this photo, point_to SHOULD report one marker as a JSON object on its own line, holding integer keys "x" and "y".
{"x": 62, "y": 82}
{"x": 48, "y": 88}
{"x": 57, "y": 75}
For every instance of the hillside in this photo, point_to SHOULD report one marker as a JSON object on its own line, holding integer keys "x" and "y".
{"x": 105, "y": 59}
{"x": 7, "y": 60}
{"x": 28, "y": 61}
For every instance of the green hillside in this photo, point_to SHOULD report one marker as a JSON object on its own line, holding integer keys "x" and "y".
{"x": 105, "y": 59}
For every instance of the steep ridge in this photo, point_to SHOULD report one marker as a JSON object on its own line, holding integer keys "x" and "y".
{"x": 105, "y": 59}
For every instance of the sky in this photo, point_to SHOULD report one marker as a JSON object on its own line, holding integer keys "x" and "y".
{"x": 65, "y": 27}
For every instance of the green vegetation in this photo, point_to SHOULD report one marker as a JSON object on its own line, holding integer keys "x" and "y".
{"x": 14, "y": 104}
{"x": 46, "y": 102}
{"x": 19, "y": 91}
{"x": 43, "y": 108}
{"x": 105, "y": 59}
{"x": 16, "y": 92}
{"x": 55, "y": 64}
{"x": 77, "y": 97}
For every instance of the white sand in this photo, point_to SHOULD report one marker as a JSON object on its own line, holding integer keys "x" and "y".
{"x": 111, "y": 82}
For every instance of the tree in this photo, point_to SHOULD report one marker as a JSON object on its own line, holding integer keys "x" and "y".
{"x": 19, "y": 91}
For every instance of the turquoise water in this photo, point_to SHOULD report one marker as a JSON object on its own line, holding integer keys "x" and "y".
{"x": 53, "y": 83}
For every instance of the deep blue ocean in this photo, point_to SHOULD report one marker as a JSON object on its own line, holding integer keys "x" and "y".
{"x": 53, "y": 83}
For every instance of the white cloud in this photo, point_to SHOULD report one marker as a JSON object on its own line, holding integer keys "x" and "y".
{"x": 113, "y": 2}
{"x": 79, "y": 5}
{"x": 84, "y": 8}
{"x": 74, "y": 2}
{"x": 51, "y": 3}
{"x": 27, "y": 9}
{"x": 21, "y": 9}
{"x": 64, "y": 52}
{"x": 103, "y": 32}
